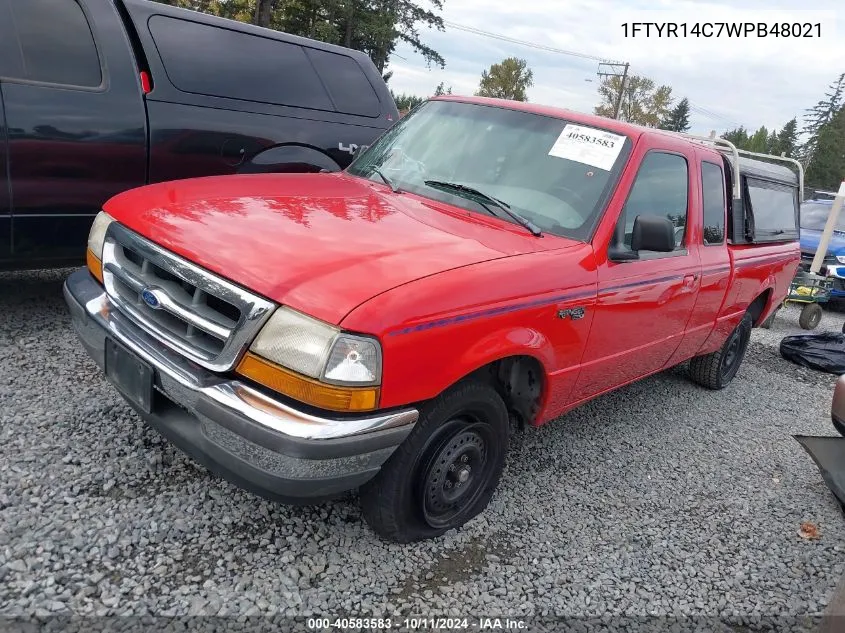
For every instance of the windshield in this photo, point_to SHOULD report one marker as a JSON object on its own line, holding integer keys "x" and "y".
{"x": 555, "y": 173}
{"x": 814, "y": 217}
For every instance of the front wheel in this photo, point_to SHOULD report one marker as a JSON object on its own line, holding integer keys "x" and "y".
{"x": 446, "y": 470}
{"x": 717, "y": 369}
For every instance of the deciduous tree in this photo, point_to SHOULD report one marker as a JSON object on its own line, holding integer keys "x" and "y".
{"x": 509, "y": 79}
{"x": 643, "y": 102}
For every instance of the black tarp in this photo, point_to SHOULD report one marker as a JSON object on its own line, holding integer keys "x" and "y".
{"x": 823, "y": 352}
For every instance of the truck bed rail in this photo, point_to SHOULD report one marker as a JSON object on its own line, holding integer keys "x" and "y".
{"x": 726, "y": 147}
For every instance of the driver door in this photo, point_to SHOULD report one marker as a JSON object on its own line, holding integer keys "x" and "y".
{"x": 643, "y": 305}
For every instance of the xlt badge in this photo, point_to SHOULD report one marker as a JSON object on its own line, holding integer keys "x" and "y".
{"x": 572, "y": 313}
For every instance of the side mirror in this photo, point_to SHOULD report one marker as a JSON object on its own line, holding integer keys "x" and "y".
{"x": 653, "y": 233}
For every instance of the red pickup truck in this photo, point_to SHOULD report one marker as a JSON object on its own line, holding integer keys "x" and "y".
{"x": 484, "y": 265}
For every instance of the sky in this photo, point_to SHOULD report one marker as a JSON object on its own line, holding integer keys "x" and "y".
{"x": 730, "y": 81}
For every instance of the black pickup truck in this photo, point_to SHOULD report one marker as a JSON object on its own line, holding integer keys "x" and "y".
{"x": 100, "y": 96}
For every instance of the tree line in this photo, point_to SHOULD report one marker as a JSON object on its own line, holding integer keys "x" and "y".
{"x": 819, "y": 144}
{"x": 822, "y": 150}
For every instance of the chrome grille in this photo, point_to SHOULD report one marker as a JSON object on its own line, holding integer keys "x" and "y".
{"x": 193, "y": 311}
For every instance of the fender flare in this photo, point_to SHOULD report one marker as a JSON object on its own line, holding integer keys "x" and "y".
{"x": 289, "y": 158}
{"x": 501, "y": 344}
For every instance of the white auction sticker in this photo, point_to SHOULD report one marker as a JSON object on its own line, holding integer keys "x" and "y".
{"x": 588, "y": 145}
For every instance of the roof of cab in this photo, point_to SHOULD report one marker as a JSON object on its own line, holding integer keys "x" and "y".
{"x": 620, "y": 127}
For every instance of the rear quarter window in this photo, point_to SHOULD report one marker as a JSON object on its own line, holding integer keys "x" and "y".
{"x": 219, "y": 62}
{"x": 346, "y": 82}
{"x": 774, "y": 208}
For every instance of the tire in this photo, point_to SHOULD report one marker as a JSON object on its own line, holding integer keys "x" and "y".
{"x": 717, "y": 369}
{"x": 767, "y": 324}
{"x": 839, "y": 427}
{"x": 811, "y": 316}
{"x": 415, "y": 495}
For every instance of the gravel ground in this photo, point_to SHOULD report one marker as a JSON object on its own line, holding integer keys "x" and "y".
{"x": 662, "y": 498}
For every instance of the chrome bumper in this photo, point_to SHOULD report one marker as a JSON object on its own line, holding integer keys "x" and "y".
{"x": 233, "y": 428}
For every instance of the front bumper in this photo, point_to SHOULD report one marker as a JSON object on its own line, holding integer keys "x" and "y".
{"x": 256, "y": 442}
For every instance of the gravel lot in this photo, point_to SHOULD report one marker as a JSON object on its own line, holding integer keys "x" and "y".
{"x": 662, "y": 498}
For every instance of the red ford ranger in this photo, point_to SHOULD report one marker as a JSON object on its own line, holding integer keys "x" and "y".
{"x": 483, "y": 264}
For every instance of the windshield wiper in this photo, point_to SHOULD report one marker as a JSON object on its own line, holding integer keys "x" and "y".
{"x": 387, "y": 180}
{"x": 504, "y": 206}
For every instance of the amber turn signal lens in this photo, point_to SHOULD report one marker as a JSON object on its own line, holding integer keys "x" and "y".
{"x": 306, "y": 390}
{"x": 94, "y": 265}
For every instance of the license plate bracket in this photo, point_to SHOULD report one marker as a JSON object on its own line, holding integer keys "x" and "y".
{"x": 132, "y": 376}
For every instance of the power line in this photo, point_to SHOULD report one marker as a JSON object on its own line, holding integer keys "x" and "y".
{"x": 551, "y": 49}
{"x": 513, "y": 40}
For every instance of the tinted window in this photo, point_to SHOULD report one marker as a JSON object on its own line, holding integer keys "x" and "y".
{"x": 213, "y": 61}
{"x": 814, "y": 217}
{"x": 773, "y": 207}
{"x": 347, "y": 84}
{"x": 713, "y": 191}
{"x": 56, "y": 43}
{"x": 661, "y": 188}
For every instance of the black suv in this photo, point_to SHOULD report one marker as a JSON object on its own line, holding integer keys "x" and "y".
{"x": 100, "y": 96}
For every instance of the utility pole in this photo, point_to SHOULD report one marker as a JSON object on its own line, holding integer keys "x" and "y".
{"x": 615, "y": 70}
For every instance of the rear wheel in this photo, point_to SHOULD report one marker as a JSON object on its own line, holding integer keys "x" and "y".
{"x": 445, "y": 472}
{"x": 811, "y": 316}
{"x": 767, "y": 324}
{"x": 717, "y": 369}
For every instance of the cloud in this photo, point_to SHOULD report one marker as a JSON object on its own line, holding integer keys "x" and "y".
{"x": 748, "y": 81}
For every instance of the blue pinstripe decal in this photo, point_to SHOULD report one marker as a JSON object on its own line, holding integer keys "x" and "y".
{"x": 641, "y": 282}
{"x": 493, "y": 312}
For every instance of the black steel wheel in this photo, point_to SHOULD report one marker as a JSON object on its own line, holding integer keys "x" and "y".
{"x": 446, "y": 470}
{"x": 454, "y": 470}
{"x": 717, "y": 369}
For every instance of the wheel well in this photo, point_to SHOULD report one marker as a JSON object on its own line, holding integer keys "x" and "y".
{"x": 520, "y": 382}
{"x": 758, "y": 305}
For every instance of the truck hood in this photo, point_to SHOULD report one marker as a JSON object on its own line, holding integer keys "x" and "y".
{"x": 320, "y": 243}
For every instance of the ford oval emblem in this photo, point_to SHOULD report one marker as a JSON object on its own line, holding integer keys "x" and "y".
{"x": 150, "y": 298}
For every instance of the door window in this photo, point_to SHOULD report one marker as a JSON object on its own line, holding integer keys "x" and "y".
{"x": 56, "y": 43}
{"x": 661, "y": 188}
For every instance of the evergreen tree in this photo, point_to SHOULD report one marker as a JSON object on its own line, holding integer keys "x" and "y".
{"x": 772, "y": 143}
{"x": 819, "y": 115}
{"x": 677, "y": 120}
{"x": 827, "y": 166}
{"x": 787, "y": 141}
{"x": 758, "y": 141}
{"x": 737, "y": 136}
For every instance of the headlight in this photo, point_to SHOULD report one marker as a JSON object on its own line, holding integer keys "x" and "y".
{"x": 840, "y": 259}
{"x": 97, "y": 234}
{"x": 96, "y": 237}
{"x": 318, "y": 350}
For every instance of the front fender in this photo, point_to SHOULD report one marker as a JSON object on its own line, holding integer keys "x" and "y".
{"x": 289, "y": 159}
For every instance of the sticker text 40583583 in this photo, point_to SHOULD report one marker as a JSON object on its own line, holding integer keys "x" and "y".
{"x": 588, "y": 145}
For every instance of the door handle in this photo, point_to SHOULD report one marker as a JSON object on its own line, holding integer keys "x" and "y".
{"x": 689, "y": 280}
